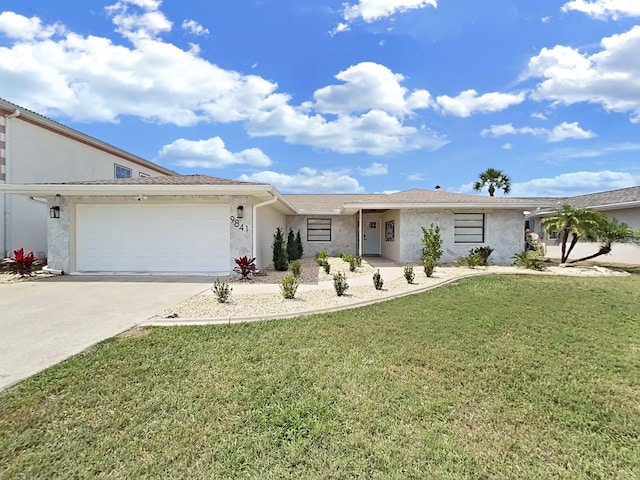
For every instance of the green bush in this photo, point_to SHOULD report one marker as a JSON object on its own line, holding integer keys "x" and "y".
{"x": 483, "y": 254}
{"x": 529, "y": 259}
{"x": 346, "y": 257}
{"x": 431, "y": 248}
{"x": 279, "y": 253}
{"x": 469, "y": 260}
{"x": 222, "y": 291}
{"x": 289, "y": 286}
{"x": 408, "y": 273}
{"x": 353, "y": 264}
{"x": 340, "y": 283}
{"x": 322, "y": 257}
{"x": 327, "y": 267}
{"x": 292, "y": 249}
{"x": 377, "y": 280}
{"x": 299, "y": 247}
{"x": 296, "y": 268}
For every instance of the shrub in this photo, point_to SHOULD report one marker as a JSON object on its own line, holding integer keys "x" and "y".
{"x": 21, "y": 263}
{"x": 246, "y": 267}
{"x": 279, "y": 253}
{"x": 289, "y": 286}
{"x": 340, "y": 283}
{"x": 322, "y": 257}
{"x": 353, "y": 264}
{"x": 222, "y": 291}
{"x": 469, "y": 260}
{"x": 327, "y": 267}
{"x": 299, "y": 247}
{"x": 431, "y": 248}
{"x": 291, "y": 246}
{"x": 358, "y": 260}
{"x": 528, "y": 259}
{"x": 377, "y": 280}
{"x": 296, "y": 268}
{"x": 483, "y": 254}
{"x": 408, "y": 273}
{"x": 346, "y": 257}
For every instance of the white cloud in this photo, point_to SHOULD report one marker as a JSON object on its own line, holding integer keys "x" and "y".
{"x": 374, "y": 169}
{"x": 416, "y": 177}
{"x": 603, "y": 9}
{"x": 368, "y": 86}
{"x": 194, "y": 28}
{"x": 341, "y": 27}
{"x": 539, "y": 116}
{"x": 507, "y": 146}
{"x": 211, "y": 153}
{"x": 159, "y": 82}
{"x": 559, "y": 133}
{"x": 469, "y": 102}
{"x": 574, "y": 183}
{"x": 608, "y": 77}
{"x": 373, "y": 10}
{"x": 307, "y": 180}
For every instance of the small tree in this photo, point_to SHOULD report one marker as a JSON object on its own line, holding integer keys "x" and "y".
{"x": 291, "y": 246}
{"x": 431, "y": 248}
{"x": 299, "y": 247}
{"x": 608, "y": 232}
{"x": 494, "y": 179}
{"x": 279, "y": 253}
{"x": 573, "y": 224}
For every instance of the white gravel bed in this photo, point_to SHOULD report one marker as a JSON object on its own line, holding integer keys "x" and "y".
{"x": 252, "y": 305}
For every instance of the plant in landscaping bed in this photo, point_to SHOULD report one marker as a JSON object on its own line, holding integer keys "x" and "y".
{"x": 279, "y": 253}
{"x": 299, "y": 247}
{"x": 340, "y": 283}
{"x": 246, "y": 267}
{"x": 529, "y": 259}
{"x": 469, "y": 260}
{"x": 346, "y": 257}
{"x": 222, "y": 291}
{"x": 289, "y": 286}
{"x": 322, "y": 257}
{"x": 353, "y": 264}
{"x": 483, "y": 254}
{"x": 327, "y": 267}
{"x": 377, "y": 280}
{"x": 408, "y": 273}
{"x": 296, "y": 268}
{"x": 292, "y": 247}
{"x": 21, "y": 263}
{"x": 431, "y": 248}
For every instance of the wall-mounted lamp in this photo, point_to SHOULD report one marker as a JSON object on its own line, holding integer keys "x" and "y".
{"x": 240, "y": 212}
{"x": 54, "y": 212}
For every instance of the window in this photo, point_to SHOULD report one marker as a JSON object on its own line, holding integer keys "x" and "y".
{"x": 144, "y": 175}
{"x": 318, "y": 229}
{"x": 390, "y": 231}
{"x": 121, "y": 172}
{"x": 468, "y": 228}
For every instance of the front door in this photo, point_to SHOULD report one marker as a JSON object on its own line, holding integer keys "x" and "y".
{"x": 371, "y": 236}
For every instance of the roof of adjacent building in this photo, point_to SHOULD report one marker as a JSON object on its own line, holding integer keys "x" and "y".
{"x": 166, "y": 180}
{"x": 45, "y": 122}
{"x": 612, "y": 198}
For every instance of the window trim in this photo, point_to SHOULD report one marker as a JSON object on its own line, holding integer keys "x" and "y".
{"x": 115, "y": 170}
{"x": 472, "y": 230}
{"x": 317, "y": 225}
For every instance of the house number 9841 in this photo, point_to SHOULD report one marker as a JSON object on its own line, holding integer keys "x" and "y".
{"x": 238, "y": 224}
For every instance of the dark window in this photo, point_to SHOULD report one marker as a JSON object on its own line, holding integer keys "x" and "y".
{"x": 318, "y": 229}
{"x": 121, "y": 172}
{"x": 468, "y": 228}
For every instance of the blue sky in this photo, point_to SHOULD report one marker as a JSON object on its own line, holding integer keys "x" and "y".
{"x": 320, "y": 96}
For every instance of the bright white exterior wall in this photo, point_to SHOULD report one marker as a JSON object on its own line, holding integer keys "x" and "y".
{"x": 504, "y": 232}
{"x": 35, "y": 154}
{"x": 62, "y": 232}
{"x": 620, "y": 253}
{"x": 344, "y": 234}
{"x": 268, "y": 220}
{"x": 391, "y": 249}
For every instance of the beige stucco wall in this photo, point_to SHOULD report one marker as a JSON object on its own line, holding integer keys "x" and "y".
{"x": 391, "y": 249}
{"x": 343, "y": 234}
{"x": 36, "y": 155}
{"x": 61, "y": 232}
{"x": 503, "y": 232}
{"x": 268, "y": 220}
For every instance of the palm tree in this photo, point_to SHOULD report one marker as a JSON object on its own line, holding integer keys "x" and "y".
{"x": 575, "y": 223}
{"x": 610, "y": 232}
{"x": 495, "y": 179}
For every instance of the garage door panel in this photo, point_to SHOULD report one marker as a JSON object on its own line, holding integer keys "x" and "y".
{"x": 152, "y": 238}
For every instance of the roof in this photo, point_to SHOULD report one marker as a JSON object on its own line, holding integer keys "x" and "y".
{"x": 324, "y": 202}
{"x": 168, "y": 180}
{"x": 49, "y": 124}
{"x": 619, "y": 198}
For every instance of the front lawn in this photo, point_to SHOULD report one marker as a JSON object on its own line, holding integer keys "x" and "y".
{"x": 490, "y": 377}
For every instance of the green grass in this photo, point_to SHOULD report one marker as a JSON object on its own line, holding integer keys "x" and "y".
{"x": 492, "y": 377}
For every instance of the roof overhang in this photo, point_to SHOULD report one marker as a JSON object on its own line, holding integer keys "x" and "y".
{"x": 606, "y": 207}
{"x": 262, "y": 192}
{"x": 354, "y": 207}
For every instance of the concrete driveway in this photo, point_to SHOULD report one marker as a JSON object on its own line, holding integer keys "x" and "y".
{"x": 42, "y": 322}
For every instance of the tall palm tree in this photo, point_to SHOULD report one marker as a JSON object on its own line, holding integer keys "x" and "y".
{"x": 576, "y": 223}
{"x": 495, "y": 179}
{"x": 610, "y": 232}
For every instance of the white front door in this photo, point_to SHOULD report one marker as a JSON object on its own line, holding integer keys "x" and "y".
{"x": 371, "y": 233}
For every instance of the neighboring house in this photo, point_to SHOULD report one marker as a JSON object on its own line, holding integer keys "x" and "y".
{"x": 199, "y": 224}
{"x": 622, "y": 204}
{"x": 35, "y": 149}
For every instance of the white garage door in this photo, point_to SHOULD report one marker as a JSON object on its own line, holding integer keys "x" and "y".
{"x": 153, "y": 238}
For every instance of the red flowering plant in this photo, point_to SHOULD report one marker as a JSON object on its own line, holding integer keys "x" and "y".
{"x": 21, "y": 263}
{"x": 246, "y": 267}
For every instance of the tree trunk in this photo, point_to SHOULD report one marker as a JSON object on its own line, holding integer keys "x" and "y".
{"x": 565, "y": 237}
{"x": 492, "y": 190}
{"x": 574, "y": 240}
{"x": 601, "y": 251}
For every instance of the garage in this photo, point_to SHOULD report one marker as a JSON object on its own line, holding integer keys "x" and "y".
{"x": 153, "y": 238}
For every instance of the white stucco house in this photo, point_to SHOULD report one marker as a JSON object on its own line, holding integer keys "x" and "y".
{"x": 622, "y": 204}
{"x": 35, "y": 149}
{"x": 197, "y": 224}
